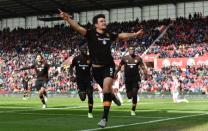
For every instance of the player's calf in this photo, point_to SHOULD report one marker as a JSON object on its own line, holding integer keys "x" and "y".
{"x": 116, "y": 100}
{"x": 90, "y": 105}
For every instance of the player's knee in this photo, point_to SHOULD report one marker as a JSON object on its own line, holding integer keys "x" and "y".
{"x": 107, "y": 85}
{"x": 41, "y": 91}
{"x": 82, "y": 96}
{"x": 129, "y": 94}
{"x": 89, "y": 92}
{"x": 41, "y": 96}
{"x": 90, "y": 95}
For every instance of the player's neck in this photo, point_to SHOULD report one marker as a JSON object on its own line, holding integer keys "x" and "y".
{"x": 83, "y": 55}
{"x": 39, "y": 62}
{"x": 101, "y": 31}
{"x": 133, "y": 55}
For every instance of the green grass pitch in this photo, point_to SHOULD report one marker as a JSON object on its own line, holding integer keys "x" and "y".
{"x": 69, "y": 114}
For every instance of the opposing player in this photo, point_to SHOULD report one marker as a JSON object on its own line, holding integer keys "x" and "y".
{"x": 25, "y": 81}
{"x": 176, "y": 91}
{"x": 116, "y": 86}
{"x": 97, "y": 87}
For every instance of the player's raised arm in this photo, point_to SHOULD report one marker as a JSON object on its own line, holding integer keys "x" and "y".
{"x": 118, "y": 68}
{"x": 140, "y": 33}
{"x": 144, "y": 68}
{"x": 126, "y": 36}
{"x": 25, "y": 68}
{"x": 72, "y": 23}
{"x": 71, "y": 68}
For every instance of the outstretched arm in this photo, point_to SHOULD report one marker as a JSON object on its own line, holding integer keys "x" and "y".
{"x": 144, "y": 69}
{"x": 126, "y": 36}
{"x": 72, "y": 23}
{"x": 118, "y": 68}
{"x": 26, "y": 68}
{"x": 71, "y": 68}
{"x": 140, "y": 33}
{"x": 72, "y": 78}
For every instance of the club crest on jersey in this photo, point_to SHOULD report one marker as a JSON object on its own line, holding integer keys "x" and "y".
{"x": 88, "y": 61}
{"x": 136, "y": 61}
{"x": 40, "y": 68}
{"x": 104, "y": 42}
{"x": 107, "y": 35}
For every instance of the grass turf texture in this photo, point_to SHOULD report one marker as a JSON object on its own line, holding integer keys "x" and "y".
{"x": 67, "y": 114}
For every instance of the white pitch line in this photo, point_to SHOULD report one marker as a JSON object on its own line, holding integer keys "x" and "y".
{"x": 147, "y": 122}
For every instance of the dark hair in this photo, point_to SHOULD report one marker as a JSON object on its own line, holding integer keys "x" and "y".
{"x": 95, "y": 18}
{"x": 41, "y": 55}
{"x": 132, "y": 46}
{"x": 83, "y": 46}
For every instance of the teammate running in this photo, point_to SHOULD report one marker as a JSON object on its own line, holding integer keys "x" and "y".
{"x": 131, "y": 64}
{"x": 41, "y": 68}
{"x": 82, "y": 64}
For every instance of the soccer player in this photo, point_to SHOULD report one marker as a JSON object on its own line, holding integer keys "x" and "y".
{"x": 103, "y": 67}
{"x": 176, "y": 91}
{"x": 25, "y": 81}
{"x": 41, "y": 67}
{"x": 132, "y": 65}
{"x": 116, "y": 86}
{"x": 99, "y": 89}
{"x": 82, "y": 65}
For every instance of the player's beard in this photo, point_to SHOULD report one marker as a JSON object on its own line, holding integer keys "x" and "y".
{"x": 40, "y": 61}
{"x": 132, "y": 55}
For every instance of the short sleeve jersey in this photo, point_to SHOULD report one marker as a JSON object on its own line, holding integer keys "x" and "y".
{"x": 131, "y": 70}
{"x": 100, "y": 47}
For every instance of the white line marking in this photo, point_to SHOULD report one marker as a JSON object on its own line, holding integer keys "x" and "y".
{"x": 147, "y": 122}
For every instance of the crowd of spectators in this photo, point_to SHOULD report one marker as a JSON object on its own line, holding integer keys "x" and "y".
{"x": 187, "y": 38}
{"x": 192, "y": 79}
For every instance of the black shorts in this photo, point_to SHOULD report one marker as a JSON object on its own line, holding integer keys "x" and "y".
{"x": 131, "y": 84}
{"x": 100, "y": 73}
{"x": 39, "y": 84}
{"x": 85, "y": 87}
{"x": 25, "y": 86}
